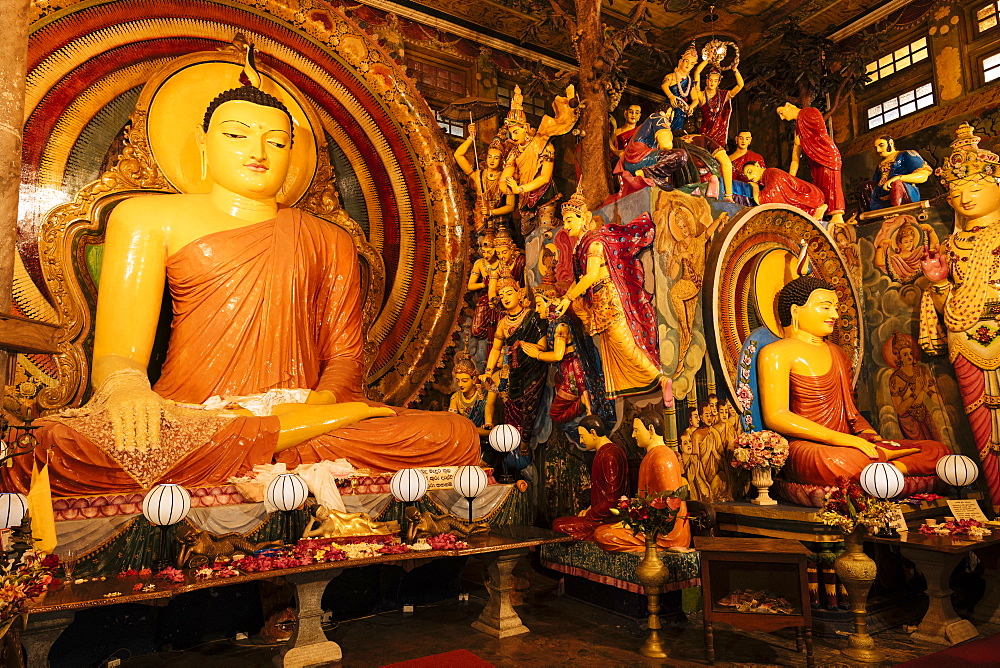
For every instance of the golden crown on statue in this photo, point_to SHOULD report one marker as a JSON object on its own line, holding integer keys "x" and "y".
{"x": 967, "y": 160}
{"x": 576, "y": 203}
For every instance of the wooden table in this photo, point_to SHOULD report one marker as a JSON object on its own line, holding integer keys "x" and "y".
{"x": 936, "y": 558}
{"x": 755, "y": 563}
{"x": 500, "y": 551}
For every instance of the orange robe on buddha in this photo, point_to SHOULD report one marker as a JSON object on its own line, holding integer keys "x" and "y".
{"x": 660, "y": 471}
{"x": 276, "y": 304}
{"x": 828, "y": 400}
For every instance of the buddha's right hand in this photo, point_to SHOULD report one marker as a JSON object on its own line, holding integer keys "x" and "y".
{"x": 135, "y": 413}
{"x": 858, "y": 443}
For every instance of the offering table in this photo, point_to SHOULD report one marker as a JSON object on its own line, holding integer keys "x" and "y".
{"x": 500, "y": 550}
{"x": 936, "y": 558}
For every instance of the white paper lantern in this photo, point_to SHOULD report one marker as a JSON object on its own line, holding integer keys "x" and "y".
{"x": 287, "y": 491}
{"x": 408, "y": 485}
{"x": 957, "y": 470}
{"x": 505, "y": 438}
{"x": 469, "y": 481}
{"x": 166, "y": 504}
{"x": 13, "y": 508}
{"x": 882, "y": 480}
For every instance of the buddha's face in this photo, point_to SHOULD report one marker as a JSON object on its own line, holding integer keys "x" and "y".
{"x": 743, "y": 140}
{"x": 493, "y": 157}
{"x": 248, "y": 147}
{"x": 818, "y": 315}
{"x": 884, "y": 147}
{"x": 633, "y": 113}
{"x": 640, "y": 433}
{"x": 974, "y": 198}
{"x": 589, "y": 438}
{"x": 465, "y": 382}
{"x": 509, "y": 297}
{"x": 573, "y": 223}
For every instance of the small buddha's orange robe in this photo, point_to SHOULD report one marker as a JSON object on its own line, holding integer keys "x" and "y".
{"x": 275, "y": 304}
{"x": 660, "y": 470}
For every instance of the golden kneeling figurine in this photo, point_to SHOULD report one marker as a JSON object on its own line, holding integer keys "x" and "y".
{"x": 422, "y": 525}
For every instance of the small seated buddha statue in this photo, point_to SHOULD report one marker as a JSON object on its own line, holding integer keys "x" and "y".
{"x": 806, "y": 395}
{"x": 660, "y": 471}
{"x": 608, "y": 480}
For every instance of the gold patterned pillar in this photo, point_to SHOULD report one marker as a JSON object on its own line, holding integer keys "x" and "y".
{"x": 13, "y": 63}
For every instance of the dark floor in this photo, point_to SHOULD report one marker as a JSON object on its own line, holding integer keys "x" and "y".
{"x": 564, "y": 631}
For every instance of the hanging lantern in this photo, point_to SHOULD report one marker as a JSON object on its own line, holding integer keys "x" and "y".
{"x": 166, "y": 504}
{"x": 13, "y": 508}
{"x": 287, "y": 491}
{"x": 882, "y": 480}
{"x": 957, "y": 470}
{"x": 505, "y": 438}
{"x": 408, "y": 485}
{"x": 469, "y": 481}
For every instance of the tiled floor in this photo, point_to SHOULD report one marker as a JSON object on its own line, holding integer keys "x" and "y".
{"x": 563, "y": 632}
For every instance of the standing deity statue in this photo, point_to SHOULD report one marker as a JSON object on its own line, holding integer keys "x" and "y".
{"x": 493, "y": 208}
{"x": 284, "y": 280}
{"x": 716, "y": 104}
{"x": 484, "y": 275}
{"x": 812, "y": 138}
{"x": 471, "y": 399}
{"x": 965, "y": 288}
{"x": 679, "y": 87}
{"x": 896, "y": 177}
{"x": 806, "y": 396}
{"x": 610, "y": 276}
{"x": 517, "y": 377}
{"x": 511, "y": 257}
{"x": 528, "y": 170}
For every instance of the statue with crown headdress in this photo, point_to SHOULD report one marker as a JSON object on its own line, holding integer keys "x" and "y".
{"x": 609, "y": 278}
{"x": 679, "y": 87}
{"x": 517, "y": 378}
{"x": 528, "y": 170}
{"x": 965, "y": 290}
{"x": 471, "y": 399}
{"x": 484, "y": 275}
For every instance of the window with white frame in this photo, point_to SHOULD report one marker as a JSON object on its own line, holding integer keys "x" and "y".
{"x": 899, "y": 59}
{"x": 450, "y": 127}
{"x": 991, "y": 68}
{"x": 900, "y": 105}
{"x": 987, "y": 16}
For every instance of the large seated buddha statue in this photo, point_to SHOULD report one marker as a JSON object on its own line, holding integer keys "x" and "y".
{"x": 805, "y": 391}
{"x": 264, "y": 298}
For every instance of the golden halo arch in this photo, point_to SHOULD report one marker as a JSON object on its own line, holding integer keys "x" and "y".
{"x": 754, "y": 256}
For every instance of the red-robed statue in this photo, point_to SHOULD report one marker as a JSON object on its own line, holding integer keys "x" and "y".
{"x": 812, "y": 138}
{"x": 775, "y": 186}
{"x": 608, "y": 481}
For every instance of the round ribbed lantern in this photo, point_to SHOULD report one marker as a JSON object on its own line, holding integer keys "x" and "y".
{"x": 469, "y": 481}
{"x": 166, "y": 504}
{"x": 13, "y": 508}
{"x": 287, "y": 492}
{"x": 957, "y": 470}
{"x": 408, "y": 485}
{"x": 882, "y": 480}
{"x": 504, "y": 438}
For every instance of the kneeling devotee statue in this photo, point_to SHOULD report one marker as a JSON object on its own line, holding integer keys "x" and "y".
{"x": 608, "y": 480}
{"x": 660, "y": 471}
{"x": 806, "y": 395}
{"x": 263, "y": 297}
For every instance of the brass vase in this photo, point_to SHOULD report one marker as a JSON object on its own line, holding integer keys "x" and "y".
{"x": 857, "y": 571}
{"x": 651, "y": 574}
